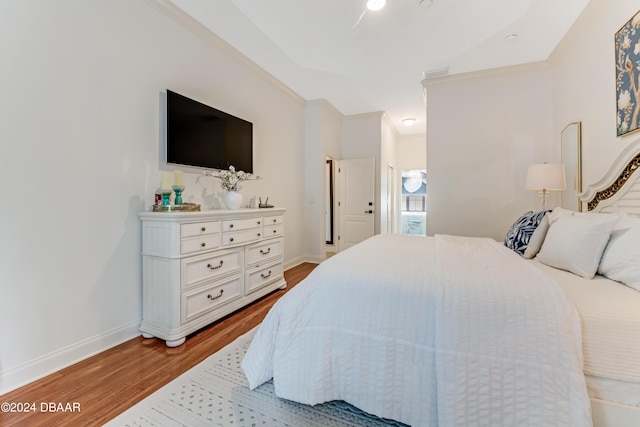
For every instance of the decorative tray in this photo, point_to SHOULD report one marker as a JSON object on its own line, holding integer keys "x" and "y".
{"x": 184, "y": 207}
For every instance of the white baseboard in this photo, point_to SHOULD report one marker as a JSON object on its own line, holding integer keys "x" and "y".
{"x": 27, "y": 372}
{"x": 302, "y": 259}
{"x": 315, "y": 259}
{"x": 290, "y": 263}
{"x": 33, "y": 370}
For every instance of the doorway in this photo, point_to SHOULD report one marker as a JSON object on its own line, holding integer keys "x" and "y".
{"x": 356, "y": 209}
{"x": 414, "y": 202}
{"x": 328, "y": 204}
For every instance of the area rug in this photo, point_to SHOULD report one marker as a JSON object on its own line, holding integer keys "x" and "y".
{"x": 216, "y": 393}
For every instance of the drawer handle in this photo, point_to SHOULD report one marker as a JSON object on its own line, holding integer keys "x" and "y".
{"x": 217, "y": 296}
{"x": 258, "y": 234}
{"x": 230, "y": 225}
{"x": 275, "y": 231}
{"x": 258, "y": 222}
{"x": 274, "y": 221}
{"x": 265, "y": 276}
{"x": 211, "y": 267}
{"x": 203, "y": 244}
{"x": 231, "y": 239}
{"x": 203, "y": 229}
{"x": 264, "y": 253}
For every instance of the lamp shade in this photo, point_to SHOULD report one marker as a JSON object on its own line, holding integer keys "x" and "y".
{"x": 546, "y": 176}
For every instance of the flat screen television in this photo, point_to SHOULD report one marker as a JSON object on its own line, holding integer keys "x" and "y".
{"x": 201, "y": 136}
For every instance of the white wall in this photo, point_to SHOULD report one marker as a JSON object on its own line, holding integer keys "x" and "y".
{"x": 323, "y": 138}
{"x": 483, "y": 132}
{"x": 412, "y": 152}
{"x": 82, "y": 88}
{"x": 584, "y": 84}
{"x": 388, "y": 157}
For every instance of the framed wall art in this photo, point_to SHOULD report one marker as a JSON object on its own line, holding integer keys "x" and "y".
{"x": 627, "y": 47}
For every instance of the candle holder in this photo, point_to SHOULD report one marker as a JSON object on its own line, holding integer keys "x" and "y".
{"x": 166, "y": 196}
{"x": 178, "y": 189}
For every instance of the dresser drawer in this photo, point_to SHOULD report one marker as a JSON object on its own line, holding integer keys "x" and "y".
{"x": 197, "y": 269}
{"x": 241, "y": 224}
{"x": 259, "y": 277}
{"x": 273, "y": 230}
{"x": 199, "y": 244}
{"x": 207, "y": 298}
{"x": 263, "y": 251}
{"x": 237, "y": 238}
{"x": 273, "y": 220}
{"x": 199, "y": 229}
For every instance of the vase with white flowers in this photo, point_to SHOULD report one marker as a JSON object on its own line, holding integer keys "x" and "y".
{"x": 230, "y": 182}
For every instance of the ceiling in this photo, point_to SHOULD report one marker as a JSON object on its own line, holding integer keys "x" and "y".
{"x": 363, "y": 61}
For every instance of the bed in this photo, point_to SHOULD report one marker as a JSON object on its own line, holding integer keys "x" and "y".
{"x": 611, "y": 337}
{"x": 450, "y": 331}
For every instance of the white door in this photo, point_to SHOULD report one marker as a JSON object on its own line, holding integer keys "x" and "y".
{"x": 356, "y": 178}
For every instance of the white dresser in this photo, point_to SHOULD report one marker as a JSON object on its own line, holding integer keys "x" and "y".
{"x": 200, "y": 266}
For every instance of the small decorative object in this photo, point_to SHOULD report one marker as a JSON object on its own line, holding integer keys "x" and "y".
{"x": 165, "y": 188}
{"x": 178, "y": 177}
{"x": 178, "y": 186}
{"x": 233, "y": 200}
{"x": 627, "y": 46}
{"x": 178, "y": 189}
{"x": 165, "y": 181}
{"x": 253, "y": 203}
{"x": 230, "y": 181}
{"x": 166, "y": 196}
{"x": 265, "y": 204}
{"x": 184, "y": 207}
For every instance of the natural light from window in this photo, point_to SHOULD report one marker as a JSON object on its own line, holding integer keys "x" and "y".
{"x": 414, "y": 202}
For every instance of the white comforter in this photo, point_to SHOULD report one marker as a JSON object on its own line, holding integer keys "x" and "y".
{"x": 444, "y": 331}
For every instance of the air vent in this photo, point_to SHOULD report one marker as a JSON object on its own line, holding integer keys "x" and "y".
{"x": 439, "y": 72}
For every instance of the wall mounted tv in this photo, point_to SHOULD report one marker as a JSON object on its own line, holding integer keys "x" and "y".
{"x": 201, "y": 136}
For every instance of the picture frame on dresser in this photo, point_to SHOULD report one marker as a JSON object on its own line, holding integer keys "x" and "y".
{"x": 197, "y": 267}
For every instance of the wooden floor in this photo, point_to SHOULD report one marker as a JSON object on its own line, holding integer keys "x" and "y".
{"x": 107, "y": 384}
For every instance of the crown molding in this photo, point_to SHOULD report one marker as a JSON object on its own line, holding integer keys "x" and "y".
{"x": 494, "y": 72}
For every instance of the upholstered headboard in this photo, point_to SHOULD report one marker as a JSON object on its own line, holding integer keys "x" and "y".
{"x": 619, "y": 189}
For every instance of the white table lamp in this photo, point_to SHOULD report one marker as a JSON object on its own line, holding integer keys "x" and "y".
{"x": 546, "y": 177}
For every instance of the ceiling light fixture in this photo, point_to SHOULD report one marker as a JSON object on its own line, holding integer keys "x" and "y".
{"x": 374, "y": 5}
{"x": 409, "y": 121}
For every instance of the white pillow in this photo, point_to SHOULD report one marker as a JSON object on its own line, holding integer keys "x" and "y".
{"x": 621, "y": 258}
{"x": 557, "y": 213}
{"x": 576, "y": 243}
{"x": 537, "y": 238}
